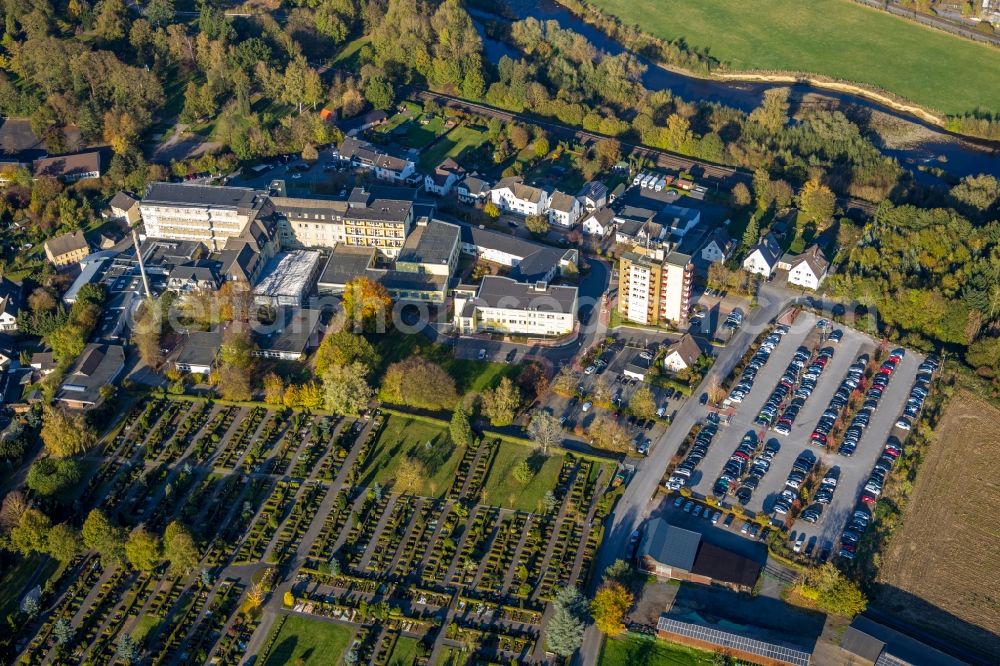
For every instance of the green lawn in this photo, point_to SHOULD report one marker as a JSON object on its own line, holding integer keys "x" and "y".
{"x": 15, "y": 580}
{"x": 636, "y": 650}
{"x": 405, "y": 652}
{"x": 144, "y": 626}
{"x": 452, "y": 145}
{"x": 312, "y": 641}
{"x": 837, "y": 38}
{"x": 469, "y": 375}
{"x": 348, "y": 57}
{"x": 502, "y": 489}
{"x": 404, "y": 439}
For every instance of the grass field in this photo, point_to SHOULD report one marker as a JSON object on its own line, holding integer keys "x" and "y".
{"x": 942, "y": 568}
{"x": 836, "y": 38}
{"x": 144, "y": 626}
{"x": 502, "y": 489}
{"x": 348, "y": 58}
{"x": 452, "y": 145}
{"x": 404, "y": 439}
{"x": 311, "y": 641}
{"x": 405, "y": 652}
{"x": 635, "y": 650}
{"x": 15, "y": 580}
{"x": 469, "y": 375}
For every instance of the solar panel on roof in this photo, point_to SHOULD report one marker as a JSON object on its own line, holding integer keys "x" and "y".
{"x": 735, "y": 641}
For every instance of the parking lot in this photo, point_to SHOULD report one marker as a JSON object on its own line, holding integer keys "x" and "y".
{"x": 617, "y": 359}
{"x": 853, "y": 470}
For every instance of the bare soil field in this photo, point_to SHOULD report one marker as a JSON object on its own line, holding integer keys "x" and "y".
{"x": 941, "y": 571}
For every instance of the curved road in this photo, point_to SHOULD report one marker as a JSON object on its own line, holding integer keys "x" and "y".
{"x": 634, "y": 505}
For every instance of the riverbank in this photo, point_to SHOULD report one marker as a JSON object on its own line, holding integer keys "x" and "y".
{"x": 596, "y": 19}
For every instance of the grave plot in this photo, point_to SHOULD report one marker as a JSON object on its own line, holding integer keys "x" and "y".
{"x": 470, "y": 548}
{"x": 239, "y": 441}
{"x": 266, "y": 523}
{"x": 212, "y": 434}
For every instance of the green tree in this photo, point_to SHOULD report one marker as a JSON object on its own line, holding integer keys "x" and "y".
{"x": 160, "y": 12}
{"x": 65, "y": 433}
{"x": 47, "y": 476}
{"x": 143, "y": 549}
{"x": 772, "y": 114}
{"x": 522, "y": 472}
{"x": 541, "y": 146}
{"x": 537, "y": 224}
{"x": 103, "y": 536}
{"x": 751, "y": 235}
{"x": 460, "y": 429}
{"x": 832, "y": 592}
{"x": 500, "y": 404}
{"x": 112, "y": 20}
{"x": 642, "y": 403}
{"x": 344, "y": 348}
{"x": 379, "y": 92}
{"x": 345, "y": 388}
{"x": 564, "y": 632}
{"x": 619, "y": 570}
{"x": 30, "y": 534}
{"x": 417, "y": 382}
{"x": 180, "y": 548}
{"x": 63, "y": 542}
{"x": 236, "y": 363}
{"x": 817, "y": 203}
{"x": 608, "y": 434}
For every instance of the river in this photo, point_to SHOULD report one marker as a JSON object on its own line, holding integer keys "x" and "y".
{"x": 936, "y": 148}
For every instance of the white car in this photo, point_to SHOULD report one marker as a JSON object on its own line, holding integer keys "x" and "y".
{"x": 482, "y": 354}
{"x": 586, "y": 406}
{"x": 798, "y": 542}
{"x": 590, "y": 370}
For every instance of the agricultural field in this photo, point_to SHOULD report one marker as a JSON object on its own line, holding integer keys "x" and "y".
{"x": 941, "y": 571}
{"x": 835, "y": 38}
{"x": 306, "y": 551}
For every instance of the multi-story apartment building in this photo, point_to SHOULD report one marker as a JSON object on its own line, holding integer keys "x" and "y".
{"x": 379, "y": 223}
{"x": 303, "y": 223}
{"x": 503, "y": 305}
{"x": 208, "y": 214}
{"x": 654, "y": 286}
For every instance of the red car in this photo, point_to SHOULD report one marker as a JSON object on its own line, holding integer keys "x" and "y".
{"x": 868, "y": 498}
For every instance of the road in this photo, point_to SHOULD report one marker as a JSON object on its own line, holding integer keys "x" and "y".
{"x": 633, "y": 506}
